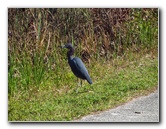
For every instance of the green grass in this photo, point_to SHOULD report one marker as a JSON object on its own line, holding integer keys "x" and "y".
{"x": 34, "y": 58}
{"x": 117, "y": 85}
{"x": 118, "y": 47}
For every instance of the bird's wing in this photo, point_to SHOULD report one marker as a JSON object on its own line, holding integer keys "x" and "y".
{"x": 80, "y": 70}
{"x": 80, "y": 66}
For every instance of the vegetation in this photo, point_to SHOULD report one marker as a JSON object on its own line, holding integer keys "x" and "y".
{"x": 118, "y": 46}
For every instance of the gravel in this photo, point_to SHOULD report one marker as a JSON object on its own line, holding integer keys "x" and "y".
{"x": 142, "y": 109}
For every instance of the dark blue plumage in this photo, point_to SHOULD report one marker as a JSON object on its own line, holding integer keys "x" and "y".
{"x": 76, "y": 64}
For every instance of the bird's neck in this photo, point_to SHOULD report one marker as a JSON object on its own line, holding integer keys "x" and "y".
{"x": 70, "y": 54}
{"x": 70, "y": 58}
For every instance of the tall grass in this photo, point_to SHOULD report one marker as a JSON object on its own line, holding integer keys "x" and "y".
{"x": 34, "y": 58}
{"x": 118, "y": 47}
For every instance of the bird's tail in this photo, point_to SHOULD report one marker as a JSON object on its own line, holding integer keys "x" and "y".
{"x": 89, "y": 81}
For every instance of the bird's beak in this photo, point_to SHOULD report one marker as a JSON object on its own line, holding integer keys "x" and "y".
{"x": 62, "y": 46}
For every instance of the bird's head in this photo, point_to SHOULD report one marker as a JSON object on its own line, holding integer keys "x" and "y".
{"x": 68, "y": 45}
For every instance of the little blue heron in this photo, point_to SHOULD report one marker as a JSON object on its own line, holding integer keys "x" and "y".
{"x": 76, "y": 64}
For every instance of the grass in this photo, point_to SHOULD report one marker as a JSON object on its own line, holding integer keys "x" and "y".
{"x": 118, "y": 46}
{"x": 118, "y": 85}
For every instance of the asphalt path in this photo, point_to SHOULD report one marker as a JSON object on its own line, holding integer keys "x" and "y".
{"x": 142, "y": 109}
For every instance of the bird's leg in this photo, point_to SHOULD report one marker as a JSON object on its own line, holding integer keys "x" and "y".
{"x": 77, "y": 85}
{"x": 79, "y": 82}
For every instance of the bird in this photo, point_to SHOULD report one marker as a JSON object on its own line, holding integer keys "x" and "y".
{"x": 76, "y": 64}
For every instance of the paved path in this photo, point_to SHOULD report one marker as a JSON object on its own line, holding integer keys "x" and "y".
{"x": 142, "y": 109}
